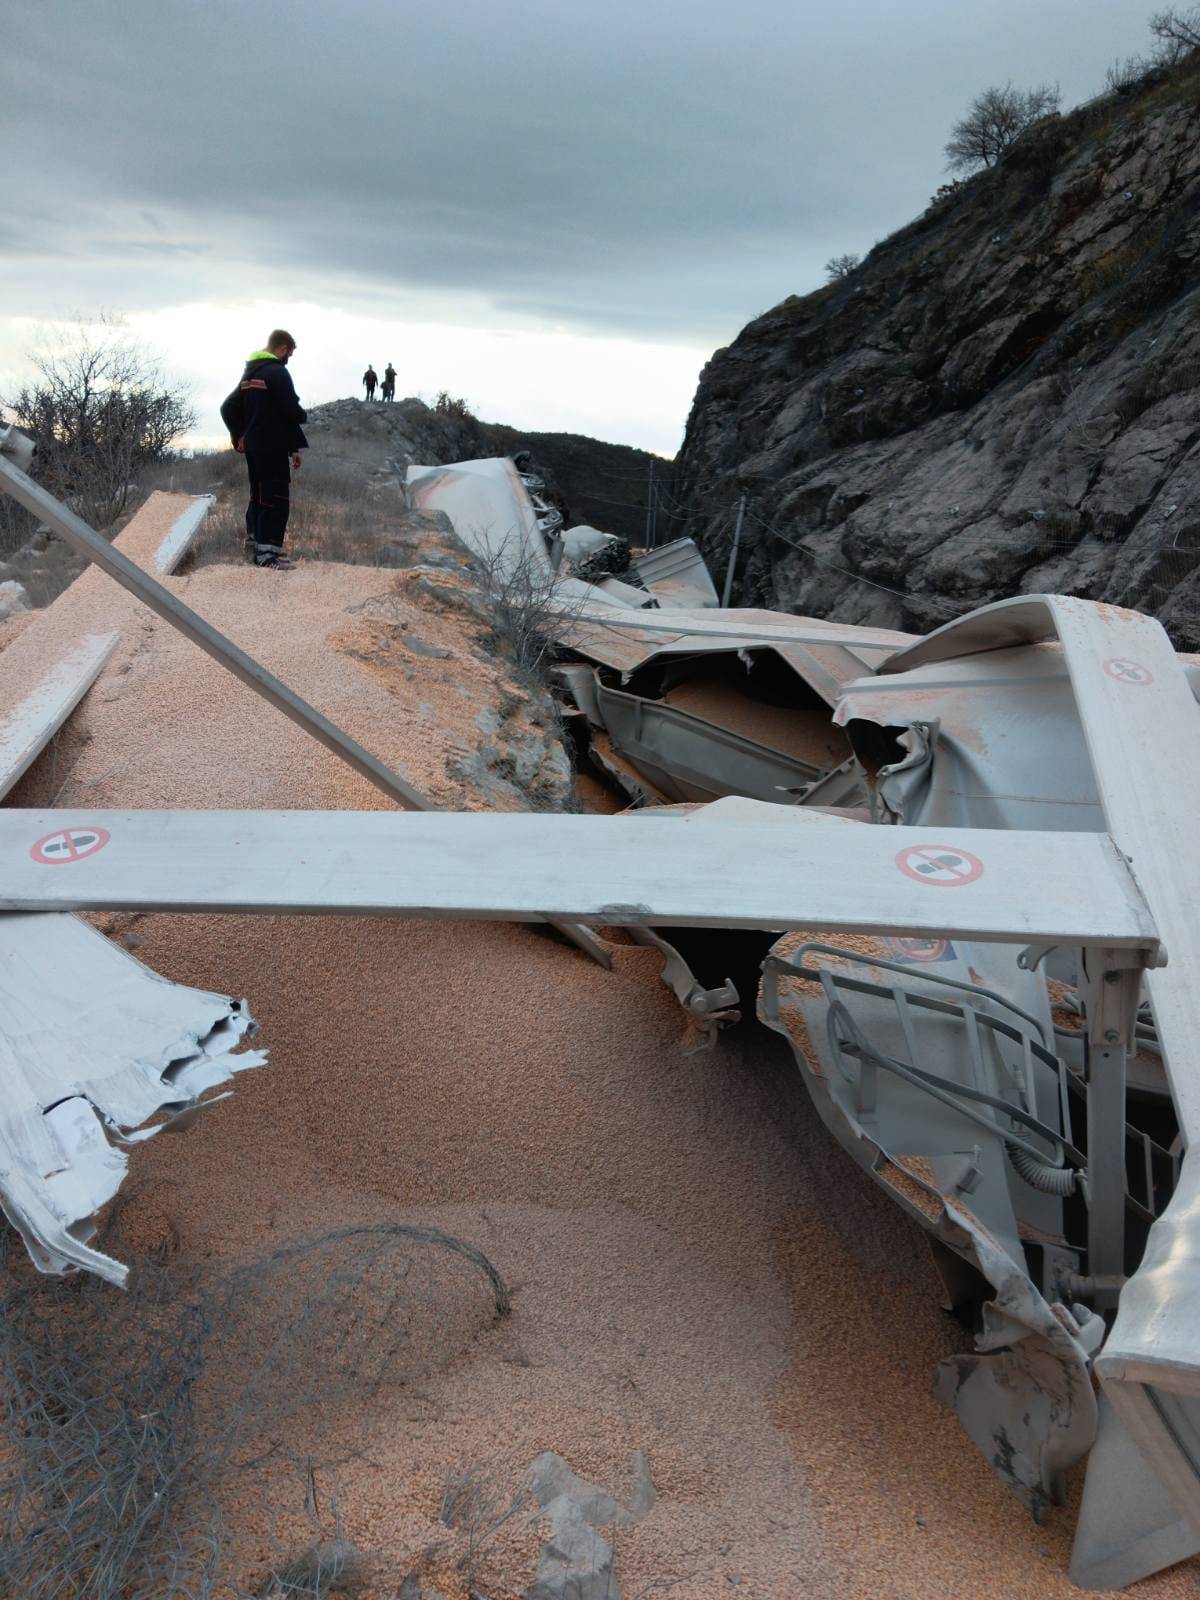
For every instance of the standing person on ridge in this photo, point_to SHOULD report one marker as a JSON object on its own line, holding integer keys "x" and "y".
{"x": 263, "y": 415}
{"x": 370, "y": 379}
{"x": 389, "y": 382}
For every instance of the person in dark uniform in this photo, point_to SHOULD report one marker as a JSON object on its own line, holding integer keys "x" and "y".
{"x": 263, "y": 415}
{"x": 389, "y": 382}
{"x": 370, "y": 379}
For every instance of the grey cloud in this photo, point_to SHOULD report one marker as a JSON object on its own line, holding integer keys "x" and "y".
{"x": 639, "y": 168}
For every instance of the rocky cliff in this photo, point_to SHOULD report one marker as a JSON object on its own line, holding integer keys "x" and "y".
{"x": 1001, "y": 399}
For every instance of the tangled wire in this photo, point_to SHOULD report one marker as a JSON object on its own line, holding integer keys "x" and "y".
{"x": 126, "y": 1420}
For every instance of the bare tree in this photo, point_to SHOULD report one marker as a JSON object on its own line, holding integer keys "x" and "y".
{"x": 98, "y": 408}
{"x": 995, "y": 119}
{"x": 1177, "y": 33}
{"x": 841, "y": 266}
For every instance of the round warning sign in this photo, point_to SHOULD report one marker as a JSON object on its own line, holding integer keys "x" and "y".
{"x": 1128, "y": 671}
{"x": 69, "y": 844}
{"x": 942, "y": 864}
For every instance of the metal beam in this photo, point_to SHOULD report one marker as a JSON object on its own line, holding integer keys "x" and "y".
{"x": 734, "y": 864}
{"x": 27, "y": 727}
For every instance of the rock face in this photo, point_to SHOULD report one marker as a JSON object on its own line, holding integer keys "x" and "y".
{"x": 1001, "y": 399}
{"x": 13, "y": 598}
{"x": 576, "y": 1562}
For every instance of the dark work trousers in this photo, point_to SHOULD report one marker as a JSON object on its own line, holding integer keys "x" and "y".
{"x": 269, "y": 503}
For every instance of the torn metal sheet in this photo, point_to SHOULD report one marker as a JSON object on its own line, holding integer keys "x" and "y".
{"x": 92, "y": 1046}
{"x": 626, "y": 593}
{"x": 676, "y": 573}
{"x": 826, "y": 654}
{"x": 698, "y": 720}
{"x": 989, "y": 742}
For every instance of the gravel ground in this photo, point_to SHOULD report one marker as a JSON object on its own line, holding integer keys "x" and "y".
{"x": 697, "y": 1271}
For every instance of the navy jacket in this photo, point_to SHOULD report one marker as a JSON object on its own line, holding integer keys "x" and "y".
{"x": 263, "y": 411}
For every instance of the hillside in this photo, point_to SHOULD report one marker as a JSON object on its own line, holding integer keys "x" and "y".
{"x": 598, "y": 483}
{"x": 1002, "y": 398}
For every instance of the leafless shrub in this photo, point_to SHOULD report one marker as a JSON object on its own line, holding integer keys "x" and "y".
{"x": 478, "y": 1499}
{"x": 337, "y": 513}
{"x": 841, "y": 266}
{"x": 98, "y": 410}
{"x": 126, "y": 1419}
{"x": 994, "y": 121}
{"x": 530, "y": 618}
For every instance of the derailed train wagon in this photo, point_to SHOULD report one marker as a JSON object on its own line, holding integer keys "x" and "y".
{"x": 977, "y": 937}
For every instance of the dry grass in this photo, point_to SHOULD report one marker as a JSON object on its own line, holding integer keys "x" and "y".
{"x": 338, "y": 512}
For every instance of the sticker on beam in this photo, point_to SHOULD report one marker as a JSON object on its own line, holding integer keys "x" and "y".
{"x": 1125, "y": 671}
{"x": 942, "y": 865}
{"x": 68, "y": 845}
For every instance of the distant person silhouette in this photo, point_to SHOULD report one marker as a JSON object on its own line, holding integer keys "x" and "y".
{"x": 389, "y": 382}
{"x": 370, "y": 379}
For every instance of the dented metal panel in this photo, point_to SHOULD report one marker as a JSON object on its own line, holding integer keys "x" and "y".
{"x": 838, "y": 653}
{"x": 930, "y": 1062}
{"x": 994, "y": 741}
{"x": 688, "y": 758}
{"x": 490, "y": 510}
{"x": 94, "y": 1045}
{"x": 1053, "y": 712}
{"x": 676, "y": 573}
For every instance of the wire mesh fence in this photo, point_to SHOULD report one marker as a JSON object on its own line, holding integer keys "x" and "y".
{"x": 131, "y": 1424}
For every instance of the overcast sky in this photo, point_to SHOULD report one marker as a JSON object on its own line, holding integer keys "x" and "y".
{"x": 556, "y": 208}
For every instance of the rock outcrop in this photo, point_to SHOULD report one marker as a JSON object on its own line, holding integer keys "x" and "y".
{"x": 1001, "y": 399}
{"x": 594, "y": 482}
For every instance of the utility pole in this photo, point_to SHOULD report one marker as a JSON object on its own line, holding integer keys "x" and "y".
{"x": 649, "y": 504}
{"x": 737, "y": 539}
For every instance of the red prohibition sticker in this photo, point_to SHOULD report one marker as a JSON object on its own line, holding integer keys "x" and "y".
{"x": 1128, "y": 671}
{"x": 69, "y": 844}
{"x": 943, "y": 865}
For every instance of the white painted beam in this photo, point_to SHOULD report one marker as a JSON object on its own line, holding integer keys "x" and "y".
{"x": 27, "y": 727}
{"x": 181, "y": 533}
{"x": 734, "y": 864}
